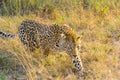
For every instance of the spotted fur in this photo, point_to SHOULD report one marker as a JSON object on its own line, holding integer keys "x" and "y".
{"x": 49, "y": 38}
{"x": 3, "y": 34}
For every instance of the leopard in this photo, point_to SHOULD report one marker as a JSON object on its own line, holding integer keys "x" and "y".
{"x": 49, "y": 38}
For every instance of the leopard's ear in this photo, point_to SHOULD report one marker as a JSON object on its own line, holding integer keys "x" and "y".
{"x": 78, "y": 40}
{"x": 79, "y": 37}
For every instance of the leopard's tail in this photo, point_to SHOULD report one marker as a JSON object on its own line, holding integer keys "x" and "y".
{"x": 7, "y": 35}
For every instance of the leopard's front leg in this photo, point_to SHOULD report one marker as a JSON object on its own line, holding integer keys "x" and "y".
{"x": 77, "y": 63}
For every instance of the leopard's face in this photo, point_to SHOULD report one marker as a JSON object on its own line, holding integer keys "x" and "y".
{"x": 72, "y": 47}
{"x": 69, "y": 44}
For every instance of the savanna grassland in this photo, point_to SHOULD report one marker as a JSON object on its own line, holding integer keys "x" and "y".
{"x": 97, "y": 21}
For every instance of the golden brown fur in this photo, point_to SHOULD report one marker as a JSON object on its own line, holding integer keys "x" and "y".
{"x": 50, "y": 38}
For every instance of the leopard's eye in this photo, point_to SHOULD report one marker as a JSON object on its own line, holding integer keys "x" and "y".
{"x": 57, "y": 45}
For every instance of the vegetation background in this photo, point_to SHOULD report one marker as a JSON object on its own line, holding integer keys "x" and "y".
{"x": 97, "y": 21}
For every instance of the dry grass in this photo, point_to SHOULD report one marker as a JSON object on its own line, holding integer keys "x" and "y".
{"x": 100, "y": 46}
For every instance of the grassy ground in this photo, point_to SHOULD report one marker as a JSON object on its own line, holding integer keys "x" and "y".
{"x": 100, "y": 53}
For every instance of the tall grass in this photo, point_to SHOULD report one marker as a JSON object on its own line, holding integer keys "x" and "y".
{"x": 98, "y": 21}
{"x": 20, "y": 7}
